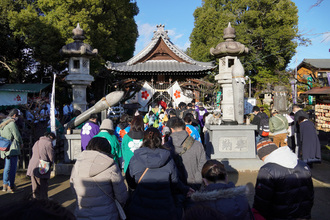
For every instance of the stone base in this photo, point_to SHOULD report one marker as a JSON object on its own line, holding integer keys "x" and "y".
{"x": 242, "y": 165}
{"x": 235, "y": 145}
{"x": 72, "y": 147}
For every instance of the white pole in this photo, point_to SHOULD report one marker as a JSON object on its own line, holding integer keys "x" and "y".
{"x": 52, "y": 111}
{"x": 295, "y": 85}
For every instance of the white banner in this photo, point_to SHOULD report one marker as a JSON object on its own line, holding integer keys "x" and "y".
{"x": 177, "y": 95}
{"x": 145, "y": 94}
{"x": 13, "y": 98}
{"x": 52, "y": 111}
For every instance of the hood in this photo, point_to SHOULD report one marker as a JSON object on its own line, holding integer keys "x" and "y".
{"x": 178, "y": 138}
{"x": 91, "y": 163}
{"x": 152, "y": 158}
{"x": 218, "y": 191}
{"x": 283, "y": 156}
{"x": 136, "y": 134}
{"x": 5, "y": 122}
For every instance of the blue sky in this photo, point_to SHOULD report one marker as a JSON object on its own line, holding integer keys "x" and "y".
{"x": 177, "y": 16}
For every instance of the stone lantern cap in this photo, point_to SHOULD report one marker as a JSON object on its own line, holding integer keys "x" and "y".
{"x": 229, "y": 47}
{"x": 78, "y": 47}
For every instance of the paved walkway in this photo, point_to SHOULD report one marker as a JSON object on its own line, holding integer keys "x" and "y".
{"x": 59, "y": 189}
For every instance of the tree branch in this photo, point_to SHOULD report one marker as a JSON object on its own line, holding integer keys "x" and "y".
{"x": 6, "y": 66}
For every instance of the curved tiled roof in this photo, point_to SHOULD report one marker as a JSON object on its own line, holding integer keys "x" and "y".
{"x": 153, "y": 66}
{"x": 132, "y": 65}
{"x": 317, "y": 63}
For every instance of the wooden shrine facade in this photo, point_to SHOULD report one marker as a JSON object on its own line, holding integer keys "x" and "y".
{"x": 161, "y": 63}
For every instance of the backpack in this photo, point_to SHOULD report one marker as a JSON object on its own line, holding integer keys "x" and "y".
{"x": 186, "y": 145}
{"x": 264, "y": 127}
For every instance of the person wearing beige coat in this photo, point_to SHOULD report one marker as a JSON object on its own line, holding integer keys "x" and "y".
{"x": 42, "y": 150}
{"x": 96, "y": 181}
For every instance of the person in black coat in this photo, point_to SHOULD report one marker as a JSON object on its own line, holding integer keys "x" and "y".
{"x": 153, "y": 175}
{"x": 310, "y": 143}
{"x": 284, "y": 188}
{"x": 298, "y": 112}
{"x": 258, "y": 116}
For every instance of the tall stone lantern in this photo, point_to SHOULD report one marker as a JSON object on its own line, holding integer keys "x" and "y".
{"x": 79, "y": 77}
{"x": 231, "y": 76}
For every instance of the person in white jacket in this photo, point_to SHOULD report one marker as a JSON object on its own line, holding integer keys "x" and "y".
{"x": 97, "y": 182}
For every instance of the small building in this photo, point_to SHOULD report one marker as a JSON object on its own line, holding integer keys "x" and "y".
{"x": 311, "y": 69}
{"x": 17, "y": 94}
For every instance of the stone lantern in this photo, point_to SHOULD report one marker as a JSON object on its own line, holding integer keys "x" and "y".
{"x": 232, "y": 142}
{"x": 231, "y": 76}
{"x": 79, "y": 77}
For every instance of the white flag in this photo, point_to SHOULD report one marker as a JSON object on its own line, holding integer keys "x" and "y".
{"x": 145, "y": 94}
{"x": 52, "y": 111}
{"x": 177, "y": 95}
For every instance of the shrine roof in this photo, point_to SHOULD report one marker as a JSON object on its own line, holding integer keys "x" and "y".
{"x": 318, "y": 91}
{"x": 316, "y": 63}
{"x": 152, "y": 66}
{"x": 161, "y": 55}
{"x": 28, "y": 87}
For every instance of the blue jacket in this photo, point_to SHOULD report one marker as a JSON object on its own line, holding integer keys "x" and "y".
{"x": 153, "y": 197}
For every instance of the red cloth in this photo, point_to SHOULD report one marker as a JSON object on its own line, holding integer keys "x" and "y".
{"x": 257, "y": 215}
{"x": 163, "y": 104}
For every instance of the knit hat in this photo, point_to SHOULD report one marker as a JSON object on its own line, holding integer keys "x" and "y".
{"x": 274, "y": 110}
{"x": 265, "y": 147}
{"x": 106, "y": 124}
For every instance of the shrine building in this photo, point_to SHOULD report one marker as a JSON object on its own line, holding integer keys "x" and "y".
{"x": 163, "y": 71}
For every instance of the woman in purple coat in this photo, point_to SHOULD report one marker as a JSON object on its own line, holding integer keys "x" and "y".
{"x": 310, "y": 143}
{"x": 42, "y": 150}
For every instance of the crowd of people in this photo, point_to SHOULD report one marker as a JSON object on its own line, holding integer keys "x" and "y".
{"x": 294, "y": 130}
{"x": 161, "y": 158}
{"x": 154, "y": 166}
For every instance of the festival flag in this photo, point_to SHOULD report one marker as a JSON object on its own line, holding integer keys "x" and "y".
{"x": 52, "y": 111}
{"x": 145, "y": 94}
{"x": 177, "y": 95}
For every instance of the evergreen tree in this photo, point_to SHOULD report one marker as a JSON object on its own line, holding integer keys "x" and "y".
{"x": 269, "y": 28}
{"x": 46, "y": 25}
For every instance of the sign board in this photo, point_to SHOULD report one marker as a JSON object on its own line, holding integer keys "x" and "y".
{"x": 13, "y": 98}
{"x": 310, "y": 100}
{"x": 248, "y": 105}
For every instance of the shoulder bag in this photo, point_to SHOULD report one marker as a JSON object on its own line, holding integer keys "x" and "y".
{"x": 119, "y": 207}
{"x": 4, "y": 144}
{"x": 43, "y": 165}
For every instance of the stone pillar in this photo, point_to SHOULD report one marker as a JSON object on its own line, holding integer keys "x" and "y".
{"x": 280, "y": 99}
{"x": 238, "y": 89}
{"x": 225, "y": 80}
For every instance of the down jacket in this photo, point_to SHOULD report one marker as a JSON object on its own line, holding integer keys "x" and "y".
{"x": 93, "y": 176}
{"x": 284, "y": 188}
{"x": 153, "y": 197}
{"x": 226, "y": 199}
